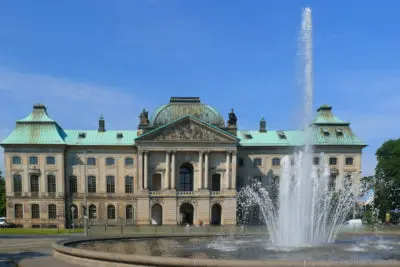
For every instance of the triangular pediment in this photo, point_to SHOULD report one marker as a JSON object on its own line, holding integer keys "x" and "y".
{"x": 188, "y": 129}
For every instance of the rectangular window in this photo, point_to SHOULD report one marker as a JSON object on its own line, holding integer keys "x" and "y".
{"x": 128, "y": 184}
{"x": 16, "y": 160}
{"x": 257, "y": 162}
{"x": 35, "y": 211}
{"x": 92, "y": 184}
{"x": 276, "y": 161}
{"x": 110, "y": 184}
{"x": 91, "y": 161}
{"x": 128, "y": 161}
{"x": 51, "y": 183}
{"x": 316, "y": 161}
{"x": 34, "y": 184}
{"x": 109, "y": 161}
{"x": 33, "y": 160}
{"x": 17, "y": 184}
{"x": 332, "y": 161}
{"x": 50, "y": 160}
{"x": 18, "y": 212}
{"x": 52, "y": 211}
{"x": 129, "y": 212}
{"x": 73, "y": 184}
{"x": 349, "y": 161}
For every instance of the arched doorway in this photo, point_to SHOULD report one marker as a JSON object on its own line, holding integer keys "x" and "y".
{"x": 156, "y": 182}
{"x": 186, "y": 212}
{"x": 92, "y": 212}
{"x": 216, "y": 212}
{"x": 186, "y": 177}
{"x": 216, "y": 182}
{"x": 156, "y": 214}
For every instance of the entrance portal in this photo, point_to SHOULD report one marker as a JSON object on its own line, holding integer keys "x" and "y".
{"x": 216, "y": 214}
{"x": 187, "y": 213}
{"x": 156, "y": 214}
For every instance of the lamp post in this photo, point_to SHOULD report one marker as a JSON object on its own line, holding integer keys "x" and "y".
{"x": 85, "y": 211}
{"x": 73, "y": 215}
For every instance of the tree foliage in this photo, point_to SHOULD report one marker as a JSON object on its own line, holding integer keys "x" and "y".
{"x": 387, "y": 177}
{"x": 2, "y": 196}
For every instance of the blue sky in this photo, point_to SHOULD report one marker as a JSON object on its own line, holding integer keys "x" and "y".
{"x": 86, "y": 58}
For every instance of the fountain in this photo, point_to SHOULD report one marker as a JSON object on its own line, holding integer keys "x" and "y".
{"x": 305, "y": 196}
{"x": 302, "y": 212}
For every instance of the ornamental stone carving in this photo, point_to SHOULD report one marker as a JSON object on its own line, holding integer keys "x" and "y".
{"x": 189, "y": 130}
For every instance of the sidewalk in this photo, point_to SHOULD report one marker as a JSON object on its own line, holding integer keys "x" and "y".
{"x": 46, "y": 261}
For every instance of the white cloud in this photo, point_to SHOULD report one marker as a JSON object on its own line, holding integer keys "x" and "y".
{"x": 73, "y": 104}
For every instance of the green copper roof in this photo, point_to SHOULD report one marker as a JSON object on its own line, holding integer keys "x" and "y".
{"x": 325, "y": 116}
{"x": 37, "y": 128}
{"x": 95, "y": 138}
{"x": 181, "y": 107}
{"x": 336, "y": 136}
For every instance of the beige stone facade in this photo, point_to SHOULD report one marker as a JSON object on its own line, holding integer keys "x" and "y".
{"x": 182, "y": 171}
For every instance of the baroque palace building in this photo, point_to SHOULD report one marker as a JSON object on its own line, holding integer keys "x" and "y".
{"x": 183, "y": 165}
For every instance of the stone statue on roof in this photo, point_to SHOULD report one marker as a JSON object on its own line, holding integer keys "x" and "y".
{"x": 144, "y": 118}
{"x": 232, "y": 119}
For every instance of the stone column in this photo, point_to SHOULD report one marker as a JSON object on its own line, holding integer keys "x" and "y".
{"x": 166, "y": 181}
{"x": 173, "y": 171}
{"x": 228, "y": 157}
{"x": 146, "y": 170}
{"x": 234, "y": 160}
{"x": 200, "y": 180}
{"x": 206, "y": 171}
{"x": 140, "y": 170}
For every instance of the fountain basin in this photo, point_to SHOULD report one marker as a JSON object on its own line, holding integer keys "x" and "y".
{"x": 227, "y": 250}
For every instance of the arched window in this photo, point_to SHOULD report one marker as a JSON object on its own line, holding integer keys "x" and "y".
{"x": 52, "y": 211}
{"x": 129, "y": 212}
{"x": 74, "y": 211}
{"x": 276, "y": 161}
{"x": 92, "y": 212}
{"x": 35, "y": 211}
{"x": 111, "y": 212}
{"x": 186, "y": 177}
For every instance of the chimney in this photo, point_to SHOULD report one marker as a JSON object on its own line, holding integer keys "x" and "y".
{"x": 263, "y": 125}
{"x": 102, "y": 124}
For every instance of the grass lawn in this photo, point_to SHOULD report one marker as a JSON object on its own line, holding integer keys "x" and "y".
{"x": 38, "y": 231}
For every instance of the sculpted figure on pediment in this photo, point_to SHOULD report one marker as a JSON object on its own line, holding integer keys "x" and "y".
{"x": 188, "y": 131}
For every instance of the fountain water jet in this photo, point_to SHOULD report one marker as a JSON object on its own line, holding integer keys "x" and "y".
{"x": 306, "y": 212}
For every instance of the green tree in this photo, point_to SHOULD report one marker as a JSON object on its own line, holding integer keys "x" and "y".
{"x": 2, "y": 196}
{"x": 387, "y": 176}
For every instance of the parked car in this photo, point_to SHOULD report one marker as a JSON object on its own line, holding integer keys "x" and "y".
{"x": 354, "y": 222}
{"x": 5, "y": 224}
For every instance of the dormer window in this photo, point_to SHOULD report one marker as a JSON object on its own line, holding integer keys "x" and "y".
{"x": 82, "y": 135}
{"x": 120, "y": 135}
{"x": 325, "y": 131}
{"x": 339, "y": 131}
{"x": 248, "y": 136}
{"x": 282, "y": 135}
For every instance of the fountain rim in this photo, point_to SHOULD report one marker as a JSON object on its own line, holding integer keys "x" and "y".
{"x": 62, "y": 251}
